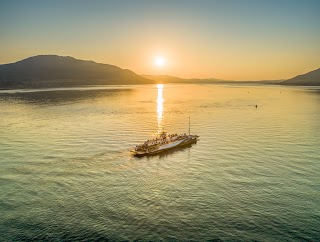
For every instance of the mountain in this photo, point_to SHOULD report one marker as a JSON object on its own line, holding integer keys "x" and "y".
{"x": 164, "y": 78}
{"x": 311, "y": 78}
{"x": 173, "y": 79}
{"x": 45, "y": 71}
{"x": 58, "y": 71}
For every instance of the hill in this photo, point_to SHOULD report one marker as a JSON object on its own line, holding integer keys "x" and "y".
{"x": 57, "y": 71}
{"x": 173, "y": 79}
{"x": 311, "y": 78}
{"x": 164, "y": 78}
{"x": 46, "y": 71}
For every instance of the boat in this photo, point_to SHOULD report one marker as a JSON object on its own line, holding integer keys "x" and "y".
{"x": 163, "y": 143}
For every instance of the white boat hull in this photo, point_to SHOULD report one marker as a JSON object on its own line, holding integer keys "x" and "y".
{"x": 190, "y": 139}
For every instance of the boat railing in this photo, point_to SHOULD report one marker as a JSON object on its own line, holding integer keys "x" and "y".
{"x": 161, "y": 140}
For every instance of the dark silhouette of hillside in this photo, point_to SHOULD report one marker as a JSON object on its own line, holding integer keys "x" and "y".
{"x": 57, "y": 71}
{"x": 46, "y": 71}
{"x": 311, "y": 78}
{"x": 173, "y": 79}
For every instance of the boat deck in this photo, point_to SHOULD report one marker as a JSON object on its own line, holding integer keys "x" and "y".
{"x": 164, "y": 143}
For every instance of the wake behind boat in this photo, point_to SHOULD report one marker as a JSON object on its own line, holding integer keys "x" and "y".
{"x": 164, "y": 143}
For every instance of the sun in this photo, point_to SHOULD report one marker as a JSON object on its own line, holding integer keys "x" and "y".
{"x": 159, "y": 61}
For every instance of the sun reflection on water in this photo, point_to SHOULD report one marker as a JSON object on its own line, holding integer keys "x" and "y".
{"x": 160, "y": 101}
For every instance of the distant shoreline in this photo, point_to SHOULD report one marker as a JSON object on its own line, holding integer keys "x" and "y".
{"x": 52, "y": 71}
{"x": 123, "y": 86}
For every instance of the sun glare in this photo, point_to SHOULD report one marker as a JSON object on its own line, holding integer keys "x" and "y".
{"x": 159, "y": 61}
{"x": 160, "y": 101}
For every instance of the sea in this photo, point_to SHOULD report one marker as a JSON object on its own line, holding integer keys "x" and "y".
{"x": 67, "y": 173}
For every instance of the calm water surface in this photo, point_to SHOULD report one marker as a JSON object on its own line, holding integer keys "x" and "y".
{"x": 66, "y": 172}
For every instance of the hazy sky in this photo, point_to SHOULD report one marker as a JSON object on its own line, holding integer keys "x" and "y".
{"x": 241, "y": 40}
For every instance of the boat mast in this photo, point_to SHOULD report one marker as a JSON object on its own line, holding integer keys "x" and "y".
{"x": 189, "y": 125}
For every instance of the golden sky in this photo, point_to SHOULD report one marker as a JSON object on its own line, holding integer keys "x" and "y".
{"x": 233, "y": 40}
